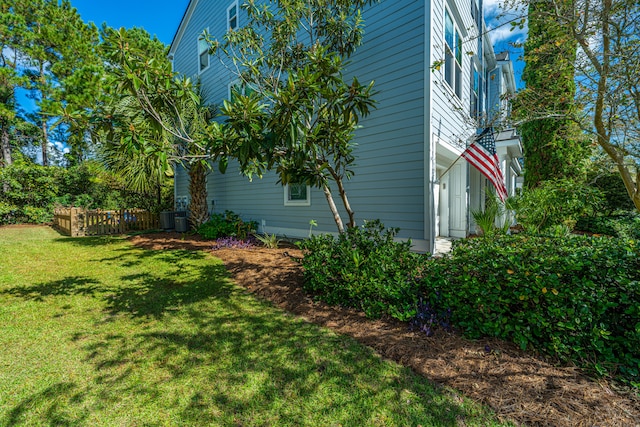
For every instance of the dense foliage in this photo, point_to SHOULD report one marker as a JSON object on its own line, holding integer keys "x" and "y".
{"x": 577, "y": 298}
{"x": 553, "y": 145}
{"x": 626, "y": 225}
{"x": 615, "y": 194}
{"x": 29, "y": 191}
{"x": 363, "y": 268}
{"x": 556, "y": 203}
{"x": 227, "y": 224}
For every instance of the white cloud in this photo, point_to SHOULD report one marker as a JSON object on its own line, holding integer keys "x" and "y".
{"x": 498, "y": 21}
{"x": 504, "y": 33}
{"x": 60, "y": 146}
{"x": 491, "y": 7}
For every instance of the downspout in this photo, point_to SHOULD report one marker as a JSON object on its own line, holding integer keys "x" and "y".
{"x": 428, "y": 150}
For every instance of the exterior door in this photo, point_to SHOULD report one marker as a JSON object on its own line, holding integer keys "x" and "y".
{"x": 443, "y": 207}
{"x": 458, "y": 200}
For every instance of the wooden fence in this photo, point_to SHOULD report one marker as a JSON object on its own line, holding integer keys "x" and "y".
{"x": 78, "y": 222}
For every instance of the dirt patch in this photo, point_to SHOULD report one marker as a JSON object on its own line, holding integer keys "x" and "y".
{"x": 518, "y": 386}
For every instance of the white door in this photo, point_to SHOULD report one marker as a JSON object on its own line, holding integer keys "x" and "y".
{"x": 443, "y": 207}
{"x": 458, "y": 200}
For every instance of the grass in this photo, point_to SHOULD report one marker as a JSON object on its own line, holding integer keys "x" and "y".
{"x": 97, "y": 332}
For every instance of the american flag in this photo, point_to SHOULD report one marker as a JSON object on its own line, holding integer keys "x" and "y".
{"x": 482, "y": 155}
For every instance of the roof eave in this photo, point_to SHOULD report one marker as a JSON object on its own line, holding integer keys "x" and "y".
{"x": 181, "y": 28}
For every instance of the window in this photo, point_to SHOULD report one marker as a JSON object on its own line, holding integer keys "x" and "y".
{"x": 237, "y": 87}
{"x": 474, "y": 107}
{"x": 203, "y": 53}
{"x": 453, "y": 55}
{"x": 475, "y": 12}
{"x": 297, "y": 195}
{"x": 232, "y": 16}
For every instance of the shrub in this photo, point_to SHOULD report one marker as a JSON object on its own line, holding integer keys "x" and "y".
{"x": 364, "y": 268}
{"x": 226, "y": 224}
{"x": 576, "y": 298}
{"x": 556, "y": 203}
{"x": 626, "y": 226}
{"x": 615, "y": 193}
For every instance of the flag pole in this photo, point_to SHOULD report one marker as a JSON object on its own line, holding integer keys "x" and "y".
{"x": 449, "y": 168}
{"x": 477, "y": 138}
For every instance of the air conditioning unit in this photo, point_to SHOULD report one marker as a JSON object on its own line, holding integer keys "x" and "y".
{"x": 182, "y": 226}
{"x": 168, "y": 219}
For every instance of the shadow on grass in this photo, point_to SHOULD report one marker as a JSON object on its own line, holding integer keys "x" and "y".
{"x": 72, "y": 285}
{"x": 206, "y": 353}
{"x": 50, "y": 403}
{"x": 242, "y": 364}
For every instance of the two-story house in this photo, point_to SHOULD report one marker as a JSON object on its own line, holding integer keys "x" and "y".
{"x": 435, "y": 73}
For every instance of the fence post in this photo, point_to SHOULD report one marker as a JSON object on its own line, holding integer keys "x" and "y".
{"x": 73, "y": 222}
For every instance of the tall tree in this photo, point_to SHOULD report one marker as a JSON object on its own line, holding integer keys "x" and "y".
{"x": 56, "y": 52}
{"x": 554, "y": 146}
{"x": 293, "y": 109}
{"x": 154, "y": 118}
{"x": 12, "y": 33}
{"x": 607, "y": 65}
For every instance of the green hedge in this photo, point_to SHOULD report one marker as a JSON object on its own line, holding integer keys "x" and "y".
{"x": 364, "y": 268}
{"x": 576, "y": 298}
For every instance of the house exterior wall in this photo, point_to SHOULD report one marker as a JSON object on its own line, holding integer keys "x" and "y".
{"x": 419, "y": 128}
{"x": 389, "y": 175}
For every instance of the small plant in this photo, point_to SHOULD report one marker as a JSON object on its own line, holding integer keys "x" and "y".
{"x": 495, "y": 212}
{"x": 268, "y": 240}
{"x": 428, "y": 318}
{"x": 231, "y": 242}
{"x": 312, "y": 223}
{"x": 227, "y": 224}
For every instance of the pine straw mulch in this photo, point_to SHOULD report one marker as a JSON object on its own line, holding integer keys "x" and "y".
{"x": 518, "y": 386}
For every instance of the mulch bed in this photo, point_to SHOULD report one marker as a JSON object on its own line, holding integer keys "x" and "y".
{"x": 520, "y": 387}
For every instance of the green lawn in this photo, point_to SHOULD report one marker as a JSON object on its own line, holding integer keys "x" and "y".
{"x": 97, "y": 332}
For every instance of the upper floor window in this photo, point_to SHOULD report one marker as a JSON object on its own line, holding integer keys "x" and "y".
{"x": 453, "y": 55}
{"x": 232, "y": 16}
{"x": 475, "y": 12}
{"x": 475, "y": 107}
{"x": 203, "y": 53}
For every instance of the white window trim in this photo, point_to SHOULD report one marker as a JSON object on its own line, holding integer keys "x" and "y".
{"x": 200, "y": 37}
{"x": 456, "y": 32}
{"x": 231, "y": 6}
{"x": 230, "y": 86}
{"x": 288, "y": 202}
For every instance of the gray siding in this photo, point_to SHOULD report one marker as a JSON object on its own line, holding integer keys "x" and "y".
{"x": 450, "y": 117}
{"x": 389, "y": 175}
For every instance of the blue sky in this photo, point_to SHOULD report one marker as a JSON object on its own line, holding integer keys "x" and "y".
{"x": 502, "y": 35}
{"x": 159, "y": 17}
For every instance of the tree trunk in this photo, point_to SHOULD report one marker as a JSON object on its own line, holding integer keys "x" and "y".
{"x": 6, "y": 146}
{"x": 199, "y": 213}
{"x": 45, "y": 143}
{"x": 334, "y": 209}
{"x": 345, "y": 200}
